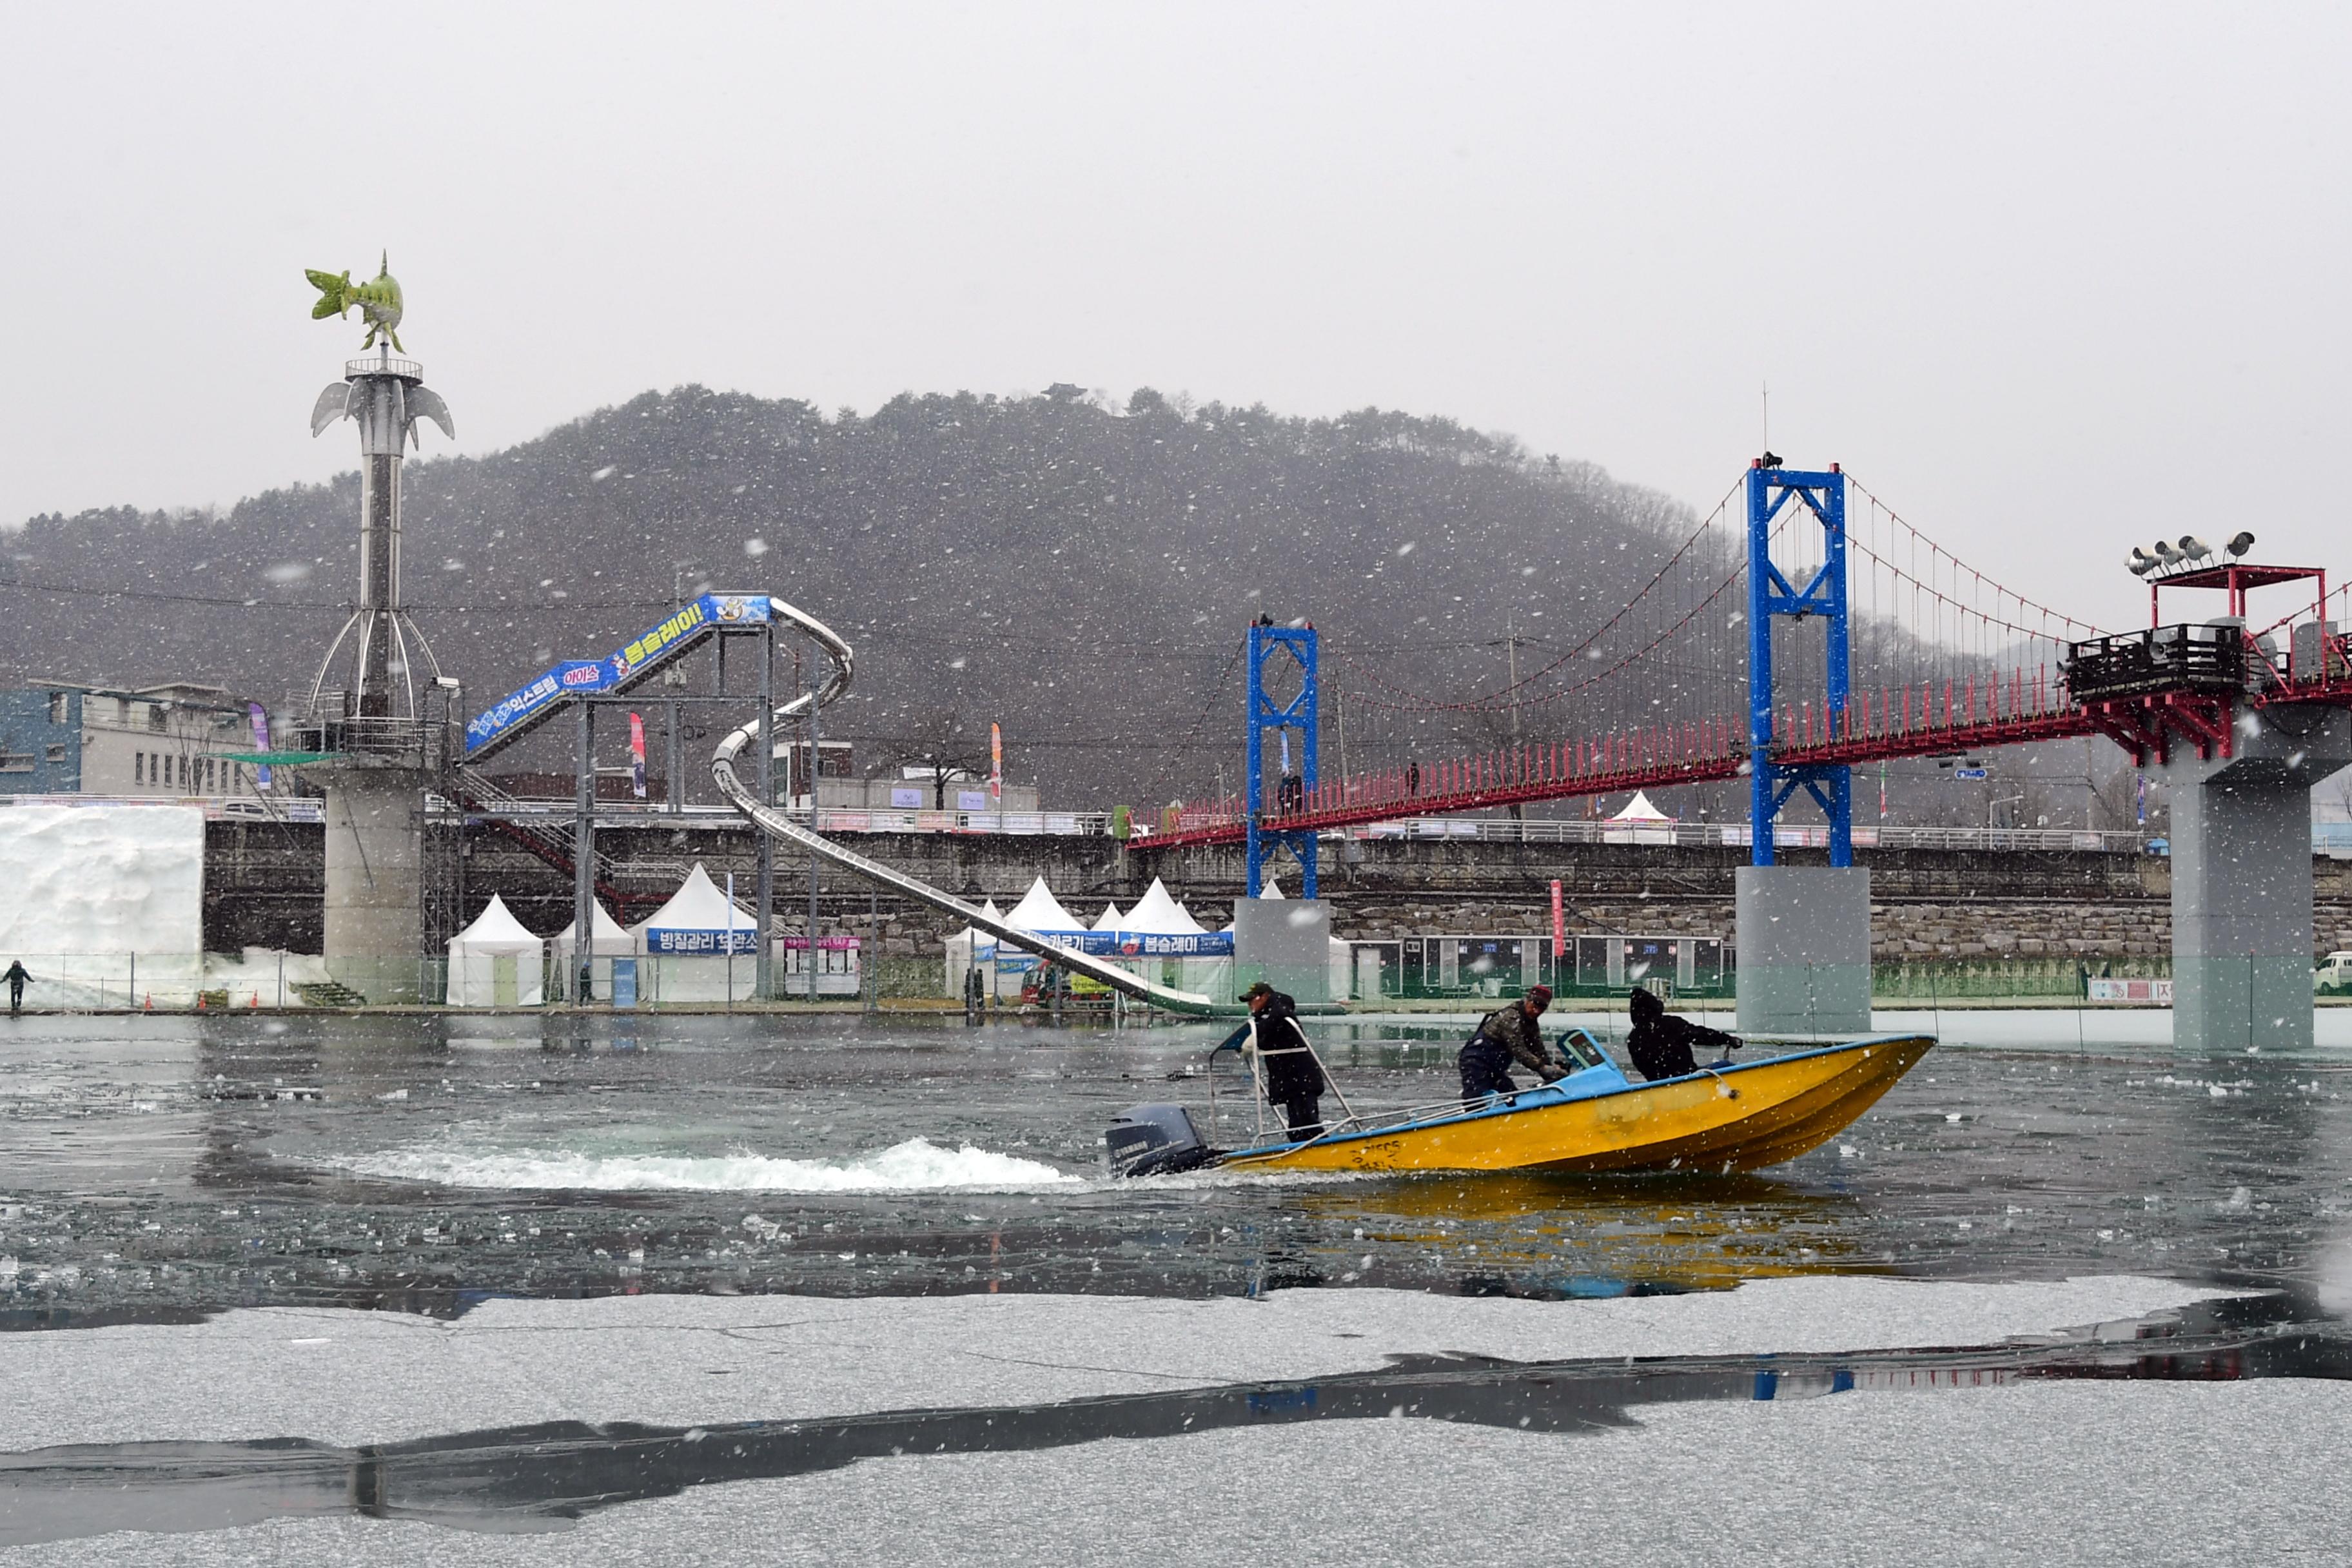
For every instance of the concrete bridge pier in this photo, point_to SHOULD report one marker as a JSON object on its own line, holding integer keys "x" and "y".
{"x": 1804, "y": 949}
{"x": 375, "y": 880}
{"x": 2242, "y": 886}
{"x": 1286, "y": 943}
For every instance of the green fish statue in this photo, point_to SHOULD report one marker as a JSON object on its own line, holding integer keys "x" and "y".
{"x": 378, "y": 299}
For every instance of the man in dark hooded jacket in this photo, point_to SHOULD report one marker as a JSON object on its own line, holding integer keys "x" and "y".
{"x": 1287, "y": 1063}
{"x": 1660, "y": 1043}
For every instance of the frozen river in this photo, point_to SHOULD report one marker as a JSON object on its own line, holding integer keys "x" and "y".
{"x": 820, "y": 1290}
{"x": 188, "y": 1164}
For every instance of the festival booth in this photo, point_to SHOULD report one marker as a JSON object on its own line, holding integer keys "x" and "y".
{"x": 1176, "y": 949}
{"x": 496, "y": 962}
{"x": 698, "y": 947}
{"x": 1639, "y": 823}
{"x": 1038, "y": 911}
{"x": 969, "y": 949}
{"x": 608, "y": 940}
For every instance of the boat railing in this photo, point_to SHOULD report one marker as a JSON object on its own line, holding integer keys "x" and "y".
{"x": 1405, "y": 1121}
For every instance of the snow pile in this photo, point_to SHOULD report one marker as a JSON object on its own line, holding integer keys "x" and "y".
{"x": 103, "y": 901}
{"x": 915, "y": 1165}
{"x": 263, "y": 977}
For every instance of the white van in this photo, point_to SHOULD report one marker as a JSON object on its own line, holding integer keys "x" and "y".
{"x": 2333, "y": 975}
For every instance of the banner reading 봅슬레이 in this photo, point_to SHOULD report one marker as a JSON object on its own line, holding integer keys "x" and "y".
{"x": 589, "y": 677}
{"x": 1135, "y": 944}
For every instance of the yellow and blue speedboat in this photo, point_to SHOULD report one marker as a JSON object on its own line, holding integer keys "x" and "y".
{"x": 1726, "y": 1117}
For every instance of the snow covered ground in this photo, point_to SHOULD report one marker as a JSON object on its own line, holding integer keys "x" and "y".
{"x": 2035, "y": 1472}
{"x": 352, "y": 1377}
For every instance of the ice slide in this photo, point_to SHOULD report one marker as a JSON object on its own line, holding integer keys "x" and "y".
{"x": 642, "y": 656}
{"x": 771, "y": 820}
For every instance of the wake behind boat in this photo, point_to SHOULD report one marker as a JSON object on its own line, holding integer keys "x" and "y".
{"x": 1723, "y": 1116}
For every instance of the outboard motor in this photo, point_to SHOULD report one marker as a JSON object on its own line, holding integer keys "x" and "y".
{"x": 1154, "y": 1140}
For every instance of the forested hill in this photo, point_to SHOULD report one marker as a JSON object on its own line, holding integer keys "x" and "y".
{"x": 1080, "y": 574}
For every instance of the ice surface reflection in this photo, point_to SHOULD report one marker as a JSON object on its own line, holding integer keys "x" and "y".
{"x": 543, "y": 1475}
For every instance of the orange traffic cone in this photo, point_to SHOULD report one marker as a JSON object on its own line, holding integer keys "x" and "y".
{"x": 200, "y": 1001}
{"x": 256, "y": 1000}
{"x": 150, "y": 1006}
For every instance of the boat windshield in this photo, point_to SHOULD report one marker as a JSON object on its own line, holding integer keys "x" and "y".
{"x": 1579, "y": 1047}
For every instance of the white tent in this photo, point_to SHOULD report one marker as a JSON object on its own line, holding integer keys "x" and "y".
{"x": 495, "y": 961}
{"x": 1639, "y": 823}
{"x": 1040, "y": 911}
{"x": 698, "y": 947}
{"x": 1110, "y": 919}
{"x": 608, "y": 940}
{"x": 1158, "y": 914}
{"x": 1639, "y": 811}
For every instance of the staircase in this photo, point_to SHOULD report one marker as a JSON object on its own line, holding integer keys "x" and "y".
{"x": 477, "y": 791}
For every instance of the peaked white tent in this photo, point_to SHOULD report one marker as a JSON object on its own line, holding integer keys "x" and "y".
{"x": 1040, "y": 911}
{"x": 607, "y": 940}
{"x": 1110, "y": 918}
{"x": 1640, "y": 810}
{"x": 698, "y": 947}
{"x": 1639, "y": 823}
{"x": 496, "y": 962}
{"x": 1157, "y": 913}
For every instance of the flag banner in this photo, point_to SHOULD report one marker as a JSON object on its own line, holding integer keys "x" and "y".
{"x": 260, "y": 718}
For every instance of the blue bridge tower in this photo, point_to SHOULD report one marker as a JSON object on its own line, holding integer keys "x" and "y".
{"x": 1770, "y": 596}
{"x": 1803, "y": 931}
{"x": 1271, "y": 643}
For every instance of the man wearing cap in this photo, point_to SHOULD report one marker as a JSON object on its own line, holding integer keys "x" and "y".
{"x": 1508, "y": 1035}
{"x": 1285, "y": 1062}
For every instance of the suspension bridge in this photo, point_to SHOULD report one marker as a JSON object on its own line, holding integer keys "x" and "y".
{"x": 2001, "y": 676}
{"x": 1918, "y": 653}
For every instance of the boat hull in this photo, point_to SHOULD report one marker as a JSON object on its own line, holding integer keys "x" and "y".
{"x": 1734, "y": 1118}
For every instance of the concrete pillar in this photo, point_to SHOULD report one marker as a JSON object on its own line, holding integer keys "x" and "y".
{"x": 1804, "y": 950}
{"x": 1286, "y": 943}
{"x": 375, "y": 896}
{"x": 2241, "y": 838}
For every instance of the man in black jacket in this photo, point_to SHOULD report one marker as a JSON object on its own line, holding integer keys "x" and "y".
{"x": 1660, "y": 1043}
{"x": 1285, "y": 1062}
{"x": 1506, "y": 1036}
{"x": 16, "y": 977}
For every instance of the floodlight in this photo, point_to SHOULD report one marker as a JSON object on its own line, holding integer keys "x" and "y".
{"x": 2241, "y": 543}
{"x": 2192, "y": 547}
{"x": 2141, "y": 561}
{"x": 2165, "y": 553}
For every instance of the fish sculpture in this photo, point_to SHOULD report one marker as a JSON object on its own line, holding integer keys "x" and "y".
{"x": 378, "y": 299}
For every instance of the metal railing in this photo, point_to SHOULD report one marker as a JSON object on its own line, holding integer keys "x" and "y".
{"x": 1497, "y": 830}
{"x": 272, "y": 808}
{"x": 1735, "y": 835}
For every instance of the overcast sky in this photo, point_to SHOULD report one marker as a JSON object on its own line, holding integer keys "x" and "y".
{"x": 2052, "y": 279}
